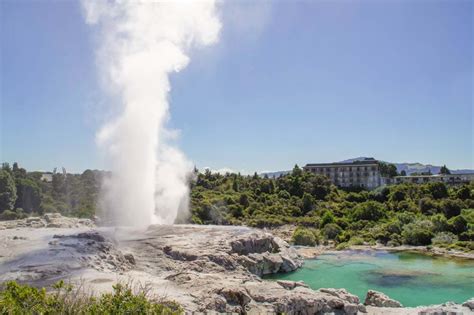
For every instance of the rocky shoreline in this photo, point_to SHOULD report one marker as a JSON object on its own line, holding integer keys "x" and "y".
{"x": 286, "y": 231}
{"x": 309, "y": 252}
{"x": 204, "y": 268}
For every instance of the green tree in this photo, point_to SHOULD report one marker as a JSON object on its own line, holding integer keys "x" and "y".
{"x": 418, "y": 233}
{"x": 444, "y": 170}
{"x": 307, "y": 203}
{"x": 327, "y": 218}
{"x": 369, "y": 210}
{"x": 305, "y": 237}
{"x": 7, "y": 191}
{"x": 463, "y": 193}
{"x": 458, "y": 224}
{"x": 331, "y": 231}
{"x": 29, "y": 195}
{"x": 451, "y": 208}
{"x": 297, "y": 171}
{"x": 387, "y": 169}
{"x": 244, "y": 200}
{"x": 437, "y": 190}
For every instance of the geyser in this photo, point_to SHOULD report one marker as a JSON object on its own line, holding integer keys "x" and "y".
{"x": 141, "y": 43}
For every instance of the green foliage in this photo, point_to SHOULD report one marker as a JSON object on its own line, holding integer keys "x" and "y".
{"x": 458, "y": 224}
{"x": 7, "y": 190}
{"x": 437, "y": 190}
{"x": 331, "y": 231}
{"x": 387, "y": 169}
{"x": 391, "y": 214}
{"x": 444, "y": 238}
{"x": 306, "y": 237}
{"x": 444, "y": 170}
{"x": 13, "y": 215}
{"x": 451, "y": 208}
{"x": 24, "y": 299}
{"x": 369, "y": 210}
{"x": 29, "y": 195}
{"x": 418, "y": 233}
{"x": 69, "y": 194}
{"x": 327, "y": 218}
{"x": 395, "y": 214}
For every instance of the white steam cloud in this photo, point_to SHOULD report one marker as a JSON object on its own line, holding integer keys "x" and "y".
{"x": 141, "y": 43}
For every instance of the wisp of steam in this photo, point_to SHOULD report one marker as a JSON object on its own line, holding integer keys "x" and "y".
{"x": 140, "y": 44}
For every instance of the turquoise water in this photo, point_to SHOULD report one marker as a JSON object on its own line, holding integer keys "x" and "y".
{"x": 413, "y": 279}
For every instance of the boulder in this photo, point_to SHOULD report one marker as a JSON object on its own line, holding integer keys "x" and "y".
{"x": 469, "y": 303}
{"x": 375, "y": 298}
{"x": 342, "y": 294}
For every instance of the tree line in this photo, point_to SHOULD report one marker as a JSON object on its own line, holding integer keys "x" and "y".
{"x": 415, "y": 214}
{"x": 25, "y": 193}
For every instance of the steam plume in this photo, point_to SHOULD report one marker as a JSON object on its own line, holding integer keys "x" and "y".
{"x": 141, "y": 43}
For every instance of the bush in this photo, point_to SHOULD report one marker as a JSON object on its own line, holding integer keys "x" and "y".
{"x": 356, "y": 240}
{"x": 305, "y": 237}
{"x": 427, "y": 206}
{"x": 8, "y": 215}
{"x": 369, "y": 210}
{"x": 418, "y": 233}
{"x": 342, "y": 246}
{"x": 444, "y": 238}
{"x": 24, "y": 299}
{"x": 451, "y": 208}
{"x": 327, "y": 218}
{"x": 331, "y": 231}
{"x": 437, "y": 190}
{"x": 12, "y": 215}
{"x": 458, "y": 224}
{"x": 440, "y": 223}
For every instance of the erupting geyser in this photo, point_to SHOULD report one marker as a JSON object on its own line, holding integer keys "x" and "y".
{"x": 141, "y": 43}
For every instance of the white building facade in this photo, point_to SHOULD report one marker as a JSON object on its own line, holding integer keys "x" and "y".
{"x": 365, "y": 173}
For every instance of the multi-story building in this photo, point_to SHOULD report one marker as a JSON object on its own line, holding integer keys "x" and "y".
{"x": 364, "y": 173}
{"x": 440, "y": 178}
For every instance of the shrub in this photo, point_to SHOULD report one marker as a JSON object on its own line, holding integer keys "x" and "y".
{"x": 444, "y": 238}
{"x": 427, "y": 206}
{"x": 463, "y": 193}
{"x": 369, "y": 210}
{"x": 440, "y": 223}
{"x": 451, "y": 208}
{"x": 305, "y": 237}
{"x": 418, "y": 233}
{"x": 331, "y": 231}
{"x": 24, "y": 299}
{"x": 12, "y": 215}
{"x": 342, "y": 246}
{"x": 327, "y": 218}
{"x": 356, "y": 197}
{"x": 437, "y": 190}
{"x": 356, "y": 240}
{"x": 458, "y": 224}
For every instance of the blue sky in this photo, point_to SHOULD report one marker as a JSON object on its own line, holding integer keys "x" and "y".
{"x": 288, "y": 82}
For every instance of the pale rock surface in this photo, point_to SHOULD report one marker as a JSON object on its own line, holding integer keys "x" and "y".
{"x": 205, "y": 268}
{"x": 469, "y": 303}
{"x": 375, "y": 298}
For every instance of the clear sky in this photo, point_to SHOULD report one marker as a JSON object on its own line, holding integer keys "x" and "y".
{"x": 289, "y": 82}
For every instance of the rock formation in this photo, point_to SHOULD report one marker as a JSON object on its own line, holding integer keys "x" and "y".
{"x": 379, "y": 299}
{"x": 204, "y": 268}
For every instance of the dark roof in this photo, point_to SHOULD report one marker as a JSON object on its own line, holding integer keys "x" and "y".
{"x": 362, "y": 162}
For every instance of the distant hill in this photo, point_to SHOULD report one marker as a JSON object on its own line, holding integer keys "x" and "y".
{"x": 409, "y": 168}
